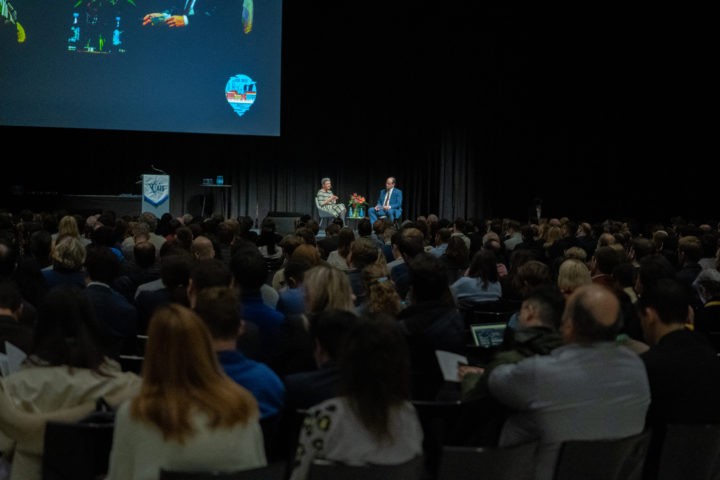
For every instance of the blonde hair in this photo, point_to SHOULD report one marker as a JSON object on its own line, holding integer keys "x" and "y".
{"x": 68, "y": 226}
{"x": 327, "y": 288}
{"x": 572, "y": 274}
{"x": 69, "y": 253}
{"x": 193, "y": 381}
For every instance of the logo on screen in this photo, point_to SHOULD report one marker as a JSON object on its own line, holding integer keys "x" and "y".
{"x": 240, "y": 93}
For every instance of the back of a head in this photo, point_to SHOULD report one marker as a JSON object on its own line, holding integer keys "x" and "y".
{"x": 595, "y": 314}
{"x": 375, "y": 372}
{"x": 607, "y": 259}
{"x": 104, "y": 236}
{"x": 327, "y": 288}
{"x": 572, "y": 274}
{"x": 144, "y": 254}
{"x": 67, "y": 331}
{"x": 669, "y": 299}
{"x": 364, "y": 227}
{"x": 412, "y": 242}
{"x": 101, "y": 264}
{"x": 691, "y": 248}
{"x": 175, "y": 269}
{"x": 184, "y": 237}
{"x": 457, "y": 249}
{"x": 549, "y": 304}
{"x": 308, "y": 254}
{"x": 289, "y": 243}
{"x": 532, "y": 274}
{"x": 643, "y": 247}
{"x": 249, "y": 269}
{"x": 150, "y": 220}
{"x": 484, "y": 266}
{"x": 709, "y": 280}
{"x": 428, "y": 278}
{"x": 330, "y": 329}
{"x": 193, "y": 381}
{"x": 202, "y": 248}
{"x": 210, "y": 273}
{"x": 332, "y": 229}
{"x": 295, "y": 270}
{"x": 345, "y": 239}
{"x": 382, "y": 294}
{"x": 364, "y": 252}
{"x": 69, "y": 254}
{"x": 219, "y": 309}
{"x": 653, "y": 268}
{"x": 444, "y": 235}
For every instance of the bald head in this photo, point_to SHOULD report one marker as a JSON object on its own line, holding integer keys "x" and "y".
{"x": 202, "y": 248}
{"x": 592, "y": 315}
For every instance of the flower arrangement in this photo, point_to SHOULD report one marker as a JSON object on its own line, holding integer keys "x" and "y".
{"x": 357, "y": 205}
{"x": 357, "y": 201}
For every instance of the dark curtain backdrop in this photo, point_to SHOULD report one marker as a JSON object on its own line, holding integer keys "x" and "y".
{"x": 477, "y": 110}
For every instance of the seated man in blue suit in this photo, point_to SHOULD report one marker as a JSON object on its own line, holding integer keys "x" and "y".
{"x": 389, "y": 204}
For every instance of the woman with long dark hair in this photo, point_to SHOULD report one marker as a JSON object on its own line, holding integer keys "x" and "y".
{"x": 189, "y": 415}
{"x": 371, "y": 421}
{"x": 481, "y": 283}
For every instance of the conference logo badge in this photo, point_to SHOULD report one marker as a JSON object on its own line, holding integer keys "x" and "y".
{"x": 240, "y": 93}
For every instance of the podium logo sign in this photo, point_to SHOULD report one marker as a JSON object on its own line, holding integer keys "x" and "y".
{"x": 156, "y": 189}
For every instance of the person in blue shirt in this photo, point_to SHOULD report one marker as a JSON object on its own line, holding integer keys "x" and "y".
{"x": 217, "y": 306}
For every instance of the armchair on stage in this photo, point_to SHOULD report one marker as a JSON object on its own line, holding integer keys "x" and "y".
{"x": 393, "y": 213}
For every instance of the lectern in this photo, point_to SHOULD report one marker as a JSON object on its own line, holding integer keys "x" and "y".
{"x": 156, "y": 194}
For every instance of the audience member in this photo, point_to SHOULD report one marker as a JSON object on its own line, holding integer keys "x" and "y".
{"x": 175, "y": 277}
{"x": 365, "y": 424}
{"x": 430, "y": 322}
{"x": 338, "y": 257}
{"x": 683, "y": 370}
{"x": 11, "y": 329}
{"x": 456, "y": 259}
{"x": 68, "y": 258}
{"x": 328, "y": 330}
{"x": 584, "y": 382}
{"x": 116, "y": 316}
{"x": 217, "y": 306}
{"x": 382, "y": 296}
{"x": 189, "y": 415}
{"x": 250, "y": 273}
{"x": 67, "y": 367}
{"x": 537, "y": 334}
{"x": 481, "y": 284}
{"x": 572, "y": 274}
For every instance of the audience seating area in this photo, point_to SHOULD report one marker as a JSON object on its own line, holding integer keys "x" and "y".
{"x": 461, "y": 435}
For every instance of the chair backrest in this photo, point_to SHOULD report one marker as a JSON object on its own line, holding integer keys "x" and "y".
{"x": 689, "y": 451}
{"x": 76, "y": 451}
{"x": 498, "y": 463}
{"x": 618, "y": 459}
{"x": 274, "y": 471}
{"x": 324, "y": 470}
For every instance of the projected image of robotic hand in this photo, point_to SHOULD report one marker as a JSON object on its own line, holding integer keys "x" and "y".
{"x": 175, "y": 21}
{"x": 152, "y": 19}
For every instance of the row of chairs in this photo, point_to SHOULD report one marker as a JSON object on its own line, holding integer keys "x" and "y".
{"x": 80, "y": 451}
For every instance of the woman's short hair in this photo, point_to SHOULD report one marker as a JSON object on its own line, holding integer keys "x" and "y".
{"x": 572, "y": 274}
{"x": 327, "y": 287}
{"x": 172, "y": 392}
{"x": 325, "y": 179}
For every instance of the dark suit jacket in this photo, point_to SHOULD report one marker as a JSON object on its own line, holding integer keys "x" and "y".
{"x": 306, "y": 389}
{"x": 117, "y": 316}
{"x": 18, "y": 334}
{"x": 684, "y": 374}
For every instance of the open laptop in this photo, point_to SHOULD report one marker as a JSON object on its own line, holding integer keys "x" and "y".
{"x": 488, "y": 335}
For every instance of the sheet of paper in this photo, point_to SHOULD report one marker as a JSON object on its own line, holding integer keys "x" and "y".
{"x": 449, "y": 364}
{"x": 15, "y": 357}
